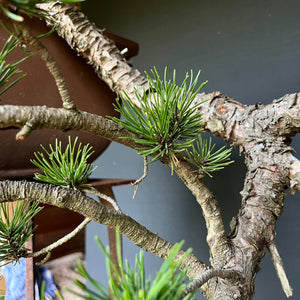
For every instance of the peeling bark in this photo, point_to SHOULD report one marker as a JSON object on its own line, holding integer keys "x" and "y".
{"x": 89, "y": 42}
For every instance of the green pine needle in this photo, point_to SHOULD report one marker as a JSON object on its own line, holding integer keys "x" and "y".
{"x": 67, "y": 168}
{"x": 169, "y": 123}
{"x": 16, "y": 229}
{"x": 7, "y": 70}
{"x": 130, "y": 283}
{"x": 205, "y": 159}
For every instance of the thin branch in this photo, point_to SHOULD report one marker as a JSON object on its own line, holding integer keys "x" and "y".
{"x": 278, "y": 264}
{"x": 209, "y": 274}
{"x": 44, "y": 260}
{"x": 29, "y": 39}
{"x": 138, "y": 181}
{"x": 61, "y": 241}
{"x": 216, "y": 235}
{"x": 113, "y": 202}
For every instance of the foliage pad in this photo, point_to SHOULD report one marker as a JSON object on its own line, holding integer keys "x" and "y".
{"x": 167, "y": 122}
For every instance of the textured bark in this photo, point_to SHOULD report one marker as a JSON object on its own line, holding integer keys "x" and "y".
{"x": 31, "y": 40}
{"x": 90, "y": 43}
{"x": 220, "y": 249}
{"x": 263, "y": 133}
{"x": 84, "y": 205}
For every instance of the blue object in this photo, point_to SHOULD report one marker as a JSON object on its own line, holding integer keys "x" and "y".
{"x": 15, "y": 281}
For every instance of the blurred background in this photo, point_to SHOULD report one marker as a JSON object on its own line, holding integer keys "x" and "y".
{"x": 248, "y": 50}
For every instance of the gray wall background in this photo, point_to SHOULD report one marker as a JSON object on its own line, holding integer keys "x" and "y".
{"x": 248, "y": 50}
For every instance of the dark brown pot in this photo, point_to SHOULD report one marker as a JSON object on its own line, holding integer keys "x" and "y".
{"x": 38, "y": 88}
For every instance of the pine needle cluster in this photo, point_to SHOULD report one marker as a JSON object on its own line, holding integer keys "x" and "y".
{"x": 68, "y": 168}
{"x": 7, "y": 70}
{"x": 16, "y": 229}
{"x": 168, "y": 123}
{"x": 205, "y": 159}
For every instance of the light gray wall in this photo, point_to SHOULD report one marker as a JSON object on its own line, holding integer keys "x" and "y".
{"x": 249, "y": 50}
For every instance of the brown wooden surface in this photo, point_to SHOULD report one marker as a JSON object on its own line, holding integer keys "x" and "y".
{"x": 29, "y": 279}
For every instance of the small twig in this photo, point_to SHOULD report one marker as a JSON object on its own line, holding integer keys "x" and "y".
{"x": 25, "y": 130}
{"x": 28, "y": 38}
{"x": 112, "y": 201}
{"x": 138, "y": 181}
{"x": 47, "y": 250}
{"x": 44, "y": 260}
{"x": 278, "y": 264}
{"x": 207, "y": 275}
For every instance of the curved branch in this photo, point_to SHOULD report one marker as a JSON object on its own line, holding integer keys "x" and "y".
{"x": 61, "y": 241}
{"x": 91, "y": 190}
{"x": 29, "y": 39}
{"x": 216, "y": 235}
{"x": 221, "y": 115}
{"x": 91, "y": 209}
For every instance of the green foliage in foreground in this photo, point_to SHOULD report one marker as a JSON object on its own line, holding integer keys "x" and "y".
{"x": 169, "y": 122}
{"x": 69, "y": 168}
{"x": 203, "y": 157}
{"x": 126, "y": 283}
{"x": 16, "y": 229}
{"x": 12, "y": 7}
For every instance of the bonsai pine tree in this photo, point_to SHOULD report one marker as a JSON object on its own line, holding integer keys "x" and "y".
{"x": 163, "y": 120}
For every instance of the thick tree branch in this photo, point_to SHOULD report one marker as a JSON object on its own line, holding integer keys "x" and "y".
{"x": 59, "y": 118}
{"x": 222, "y": 115}
{"x": 91, "y": 209}
{"x": 90, "y": 43}
{"x": 285, "y": 115}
